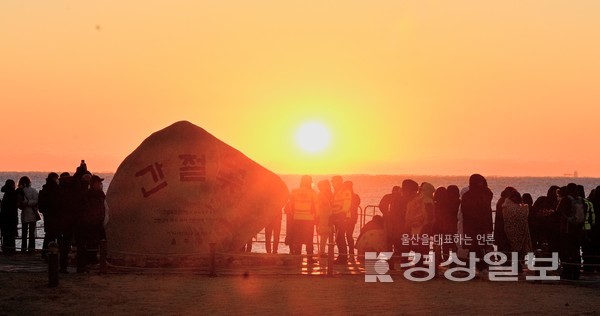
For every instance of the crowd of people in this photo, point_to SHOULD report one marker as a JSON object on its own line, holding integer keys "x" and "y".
{"x": 561, "y": 222}
{"x": 333, "y": 211}
{"x": 73, "y": 209}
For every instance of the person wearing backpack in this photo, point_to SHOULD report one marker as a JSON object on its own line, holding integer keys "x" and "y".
{"x": 595, "y": 233}
{"x": 587, "y": 245}
{"x": 572, "y": 214}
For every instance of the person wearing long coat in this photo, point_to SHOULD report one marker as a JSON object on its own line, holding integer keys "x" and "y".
{"x": 476, "y": 208}
{"x": 516, "y": 225}
{"x": 28, "y": 203}
{"x": 9, "y": 217}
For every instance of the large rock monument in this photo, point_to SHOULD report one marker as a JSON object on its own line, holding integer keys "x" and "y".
{"x": 182, "y": 189}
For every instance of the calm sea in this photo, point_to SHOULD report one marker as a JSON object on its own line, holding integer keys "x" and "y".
{"x": 372, "y": 187}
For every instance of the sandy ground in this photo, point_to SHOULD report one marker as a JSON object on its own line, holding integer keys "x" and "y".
{"x": 264, "y": 291}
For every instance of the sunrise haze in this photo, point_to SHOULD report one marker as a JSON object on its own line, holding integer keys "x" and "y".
{"x": 401, "y": 87}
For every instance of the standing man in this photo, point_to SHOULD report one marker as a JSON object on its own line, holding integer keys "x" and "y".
{"x": 351, "y": 222}
{"x": 49, "y": 202}
{"x": 68, "y": 217}
{"x": 342, "y": 201}
{"x": 96, "y": 211}
{"x": 303, "y": 207}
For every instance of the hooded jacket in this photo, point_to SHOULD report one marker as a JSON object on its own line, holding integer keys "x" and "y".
{"x": 476, "y": 207}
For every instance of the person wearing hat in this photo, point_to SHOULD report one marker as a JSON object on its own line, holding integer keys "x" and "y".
{"x": 9, "y": 217}
{"x": 92, "y": 221}
{"x": 67, "y": 217}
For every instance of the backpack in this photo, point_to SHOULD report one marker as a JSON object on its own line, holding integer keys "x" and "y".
{"x": 577, "y": 212}
{"x": 590, "y": 215}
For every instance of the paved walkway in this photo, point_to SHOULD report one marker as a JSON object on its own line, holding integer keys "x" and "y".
{"x": 22, "y": 263}
{"x": 33, "y": 263}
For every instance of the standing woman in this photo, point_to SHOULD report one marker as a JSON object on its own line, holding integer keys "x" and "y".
{"x": 28, "y": 200}
{"x": 476, "y": 208}
{"x": 516, "y": 225}
{"x": 9, "y": 217}
{"x": 324, "y": 199}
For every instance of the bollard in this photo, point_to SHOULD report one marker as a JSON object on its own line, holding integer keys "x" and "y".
{"x": 53, "y": 264}
{"x": 330, "y": 255}
{"x": 212, "y": 260}
{"x": 103, "y": 255}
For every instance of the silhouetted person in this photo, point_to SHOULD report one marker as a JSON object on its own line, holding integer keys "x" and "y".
{"x": 439, "y": 208}
{"x": 570, "y": 232}
{"x": 516, "y": 225}
{"x": 587, "y": 246}
{"x": 50, "y": 204}
{"x": 386, "y": 201}
{"x": 272, "y": 232}
{"x": 82, "y": 232}
{"x": 303, "y": 204}
{"x": 537, "y": 215}
{"x": 68, "y": 217}
{"x": 9, "y": 217}
{"x": 351, "y": 221}
{"x": 419, "y": 216}
{"x": 92, "y": 224}
{"x": 528, "y": 199}
{"x": 397, "y": 222}
{"x": 385, "y": 207}
{"x": 500, "y": 238}
{"x": 324, "y": 226}
{"x": 446, "y": 218}
{"x": 476, "y": 208}
{"x": 595, "y": 233}
{"x": 551, "y": 223}
{"x": 342, "y": 201}
{"x": 28, "y": 203}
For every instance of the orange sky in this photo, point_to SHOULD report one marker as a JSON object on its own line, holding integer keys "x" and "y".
{"x": 419, "y": 87}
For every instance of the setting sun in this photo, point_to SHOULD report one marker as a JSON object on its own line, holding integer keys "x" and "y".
{"x": 313, "y": 137}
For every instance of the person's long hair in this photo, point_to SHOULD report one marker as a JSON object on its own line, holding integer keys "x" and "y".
{"x": 24, "y": 181}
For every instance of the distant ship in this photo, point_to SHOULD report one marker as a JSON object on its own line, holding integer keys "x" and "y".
{"x": 575, "y": 174}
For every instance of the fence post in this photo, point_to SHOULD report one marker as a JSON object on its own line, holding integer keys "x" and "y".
{"x": 53, "y": 264}
{"x": 103, "y": 256}
{"x": 212, "y": 260}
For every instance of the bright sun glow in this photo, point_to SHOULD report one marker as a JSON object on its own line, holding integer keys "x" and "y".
{"x": 313, "y": 137}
